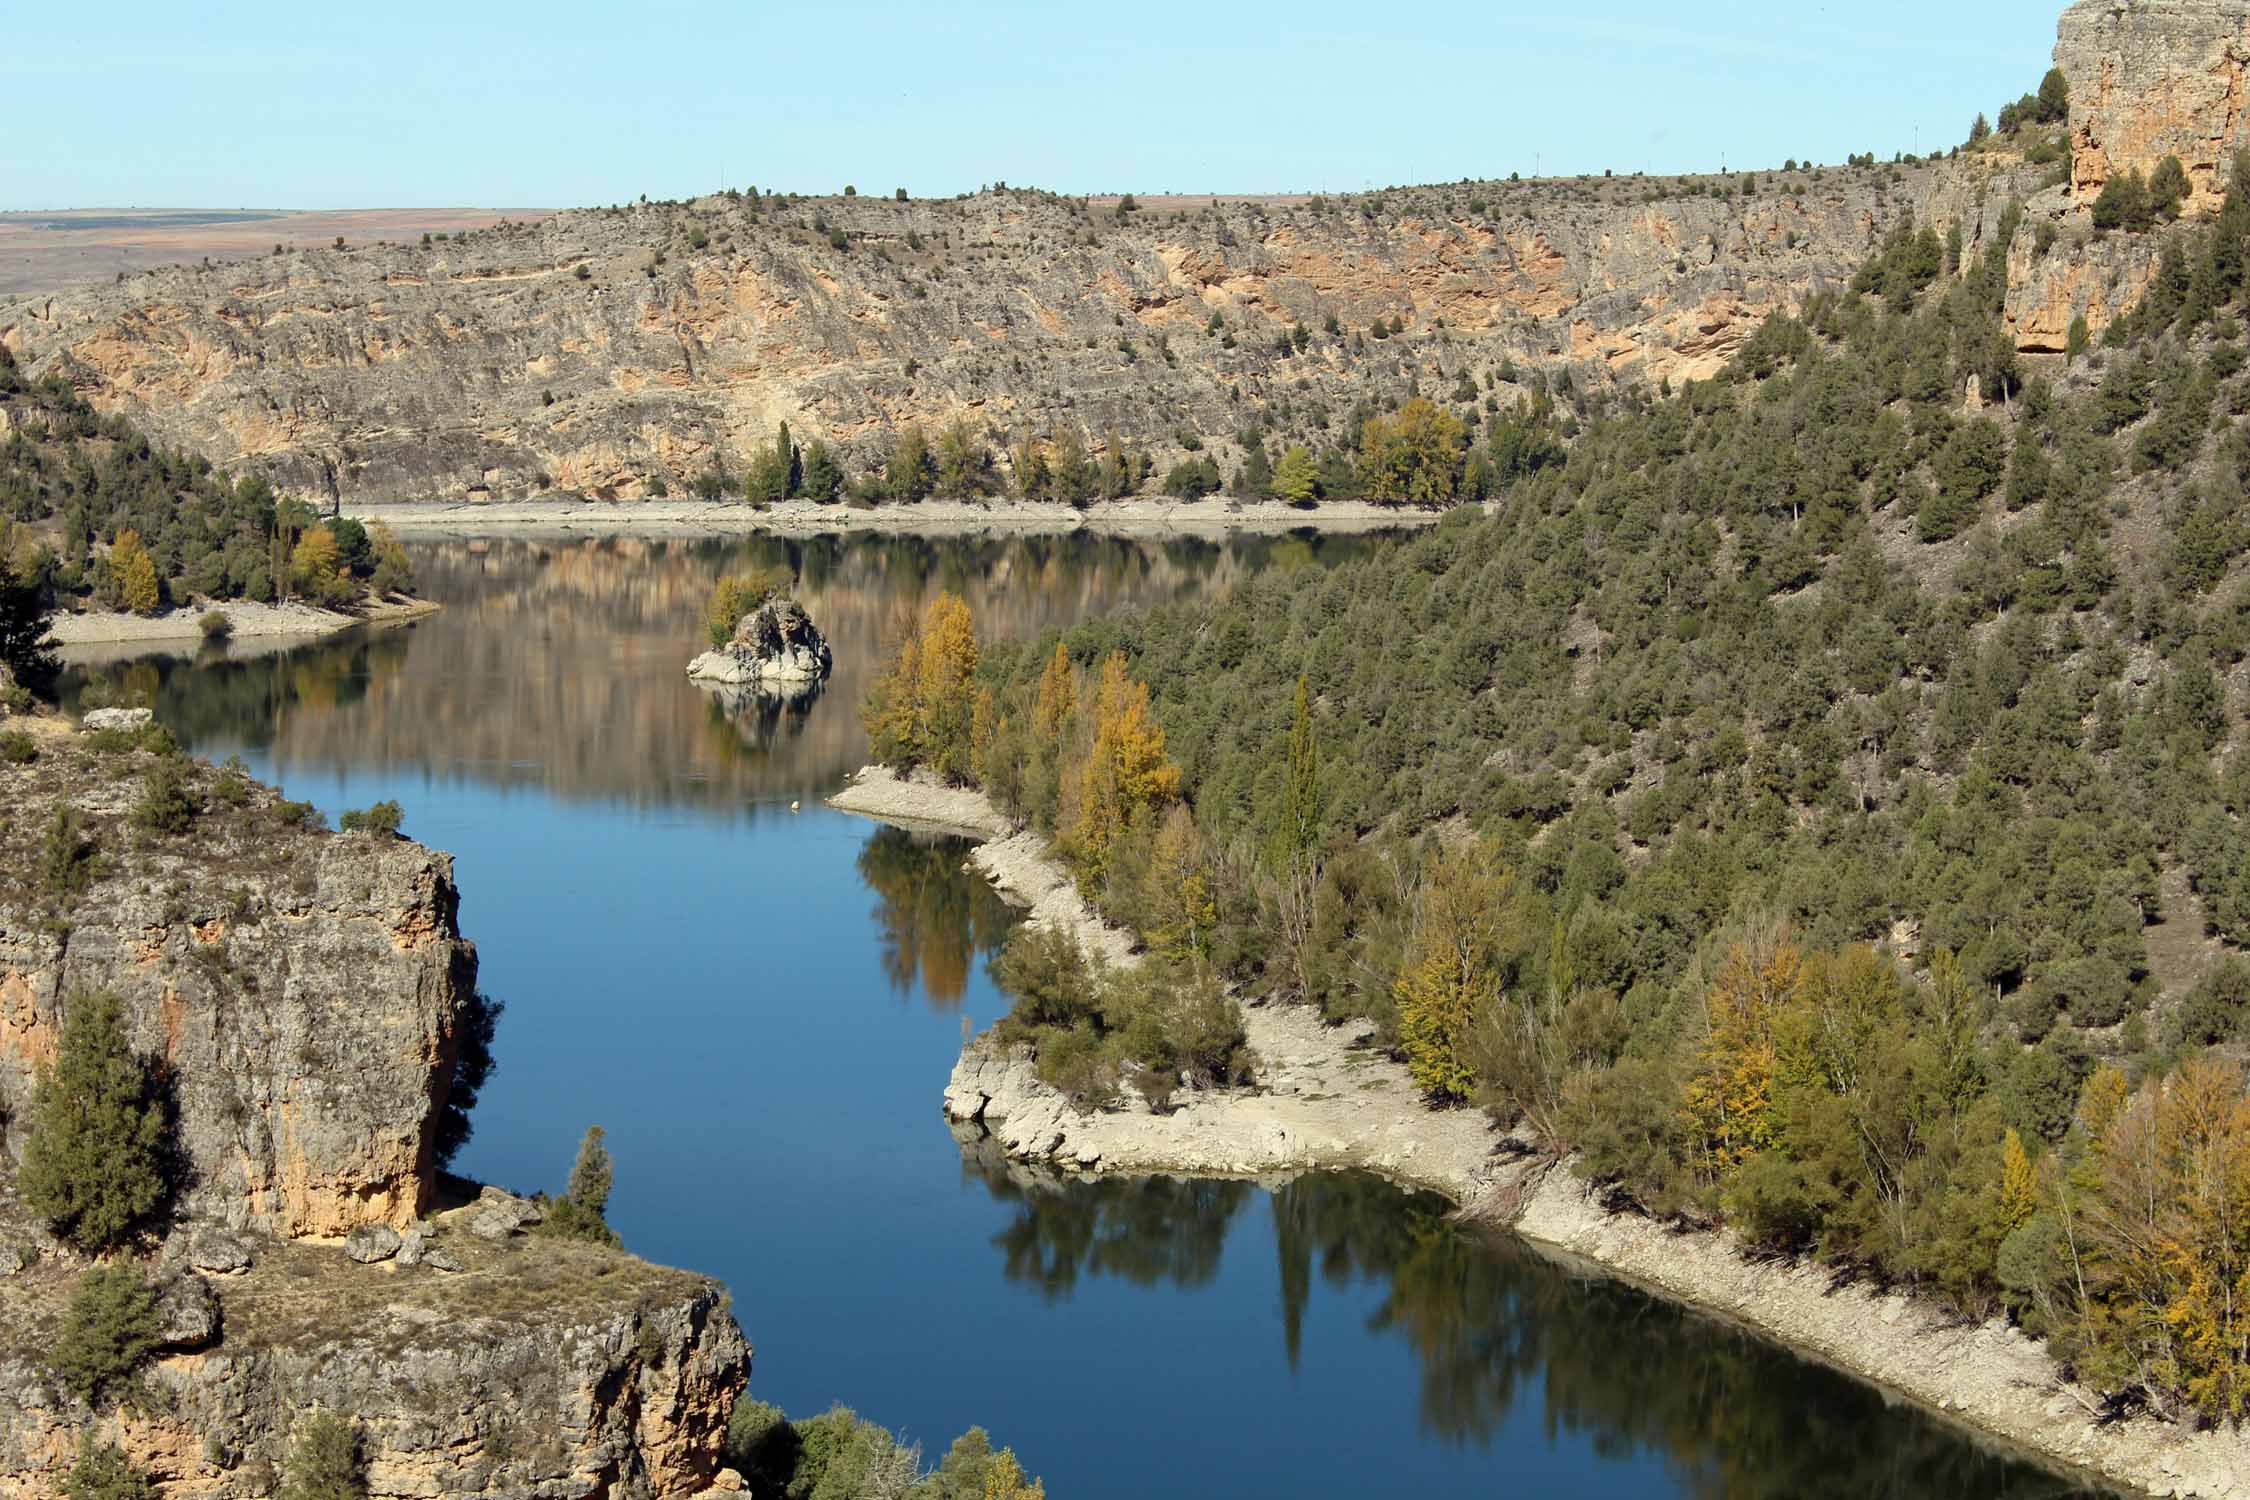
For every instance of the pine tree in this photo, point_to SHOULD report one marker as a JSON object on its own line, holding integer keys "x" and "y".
{"x": 95, "y": 1167}
{"x": 108, "y": 1330}
{"x": 823, "y": 478}
{"x": 27, "y": 607}
{"x": 581, "y": 1213}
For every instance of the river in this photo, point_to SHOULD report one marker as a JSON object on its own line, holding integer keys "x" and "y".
{"x": 760, "y": 999}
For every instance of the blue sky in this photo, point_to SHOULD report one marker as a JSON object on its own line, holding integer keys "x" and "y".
{"x": 131, "y": 102}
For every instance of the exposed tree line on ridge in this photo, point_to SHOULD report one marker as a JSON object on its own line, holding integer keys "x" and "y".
{"x": 1771, "y": 804}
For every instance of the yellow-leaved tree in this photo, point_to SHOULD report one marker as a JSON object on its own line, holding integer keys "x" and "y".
{"x": 318, "y": 564}
{"x": 923, "y": 710}
{"x": 1413, "y": 455}
{"x": 1451, "y": 977}
{"x": 1126, "y": 773}
{"x": 1728, "y": 1101}
{"x": 1176, "y": 889}
{"x": 133, "y": 574}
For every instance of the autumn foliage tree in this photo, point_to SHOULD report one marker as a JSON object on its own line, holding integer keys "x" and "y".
{"x": 1413, "y": 455}
{"x": 132, "y": 575}
{"x": 1125, "y": 774}
{"x": 1451, "y": 980}
{"x": 921, "y": 712}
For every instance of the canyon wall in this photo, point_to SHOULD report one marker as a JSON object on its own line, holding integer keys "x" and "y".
{"x": 302, "y": 992}
{"x": 614, "y": 352}
{"x": 2151, "y": 79}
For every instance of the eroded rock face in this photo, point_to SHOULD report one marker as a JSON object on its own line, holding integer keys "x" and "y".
{"x": 301, "y": 992}
{"x": 548, "y": 1370}
{"x": 606, "y": 352}
{"x": 776, "y": 649}
{"x": 2151, "y": 79}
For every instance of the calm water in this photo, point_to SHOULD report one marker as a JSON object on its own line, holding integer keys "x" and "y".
{"x": 762, "y": 1005}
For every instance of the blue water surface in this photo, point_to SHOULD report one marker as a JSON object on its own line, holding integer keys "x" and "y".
{"x": 760, "y": 1005}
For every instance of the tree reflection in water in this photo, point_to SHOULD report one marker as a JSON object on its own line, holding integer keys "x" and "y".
{"x": 1495, "y": 1324}
{"x": 934, "y": 914}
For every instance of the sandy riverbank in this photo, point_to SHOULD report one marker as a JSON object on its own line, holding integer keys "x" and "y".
{"x": 245, "y": 617}
{"x": 1324, "y": 1101}
{"x": 1136, "y": 517}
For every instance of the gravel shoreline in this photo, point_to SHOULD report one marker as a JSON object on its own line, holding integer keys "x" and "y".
{"x": 1138, "y": 517}
{"x": 1324, "y": 1101}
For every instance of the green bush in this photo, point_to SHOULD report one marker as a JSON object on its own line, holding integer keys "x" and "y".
{"x": 382, "y": 819}
{"x": 102, "y": 1472}
{"x": 67, "y": 860}
{"x": 109, "y": 1329}
{"x": 95, "y": 1167}
{"x": 17, "y": 748}
{"x": 216, "y": 626}
{"x": 324, "y": 1461}
{"x": 168, "y": 804}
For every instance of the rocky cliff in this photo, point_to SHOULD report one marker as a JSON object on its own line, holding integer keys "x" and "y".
{"x": 625, "y": 352}
{"x": 303, "y": 991}
{"x": 2151, "y": 79}
{"x": 541, "y": 1367}
{"x": 306, "y": 997}
{"x": 610, "y": 352}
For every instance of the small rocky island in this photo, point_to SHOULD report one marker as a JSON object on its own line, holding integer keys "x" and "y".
{"x": 774, "y": 649}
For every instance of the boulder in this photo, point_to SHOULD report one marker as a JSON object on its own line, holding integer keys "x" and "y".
{"x": 413, "y": 1245}
{"x": 775, "y": 649}
{"x": 438, "y": 1258}
{"x": 218, "y": 1251}
{"x": 130, "y": 720}
{"x": 498, "y": 1213}
{"x": 371, "y": 1243}
{"x": 187, "y": 1312}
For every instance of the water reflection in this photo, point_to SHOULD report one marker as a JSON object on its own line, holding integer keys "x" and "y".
{"x": 561, "y": 662}
{"x": 933, "y": 917}
{"x": 1503, "y": 1334}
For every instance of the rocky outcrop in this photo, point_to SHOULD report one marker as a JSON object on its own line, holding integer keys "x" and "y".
{"x": 302, "y": 992}
{"x": 536, "y": 1367}
{"x": 775, "y": 650}
{"x": 2151, "y": 79}
{"x": 623, "y": 353}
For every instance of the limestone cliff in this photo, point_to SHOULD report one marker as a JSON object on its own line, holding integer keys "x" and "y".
{"x": 2151, "y": 79}
{"x": 541, "y": 1367}
{"x": 625, "y": 352}
{"x": 303, "y": 991}
{"x": 608, "y": 352}
{"x": 306, "y": 997}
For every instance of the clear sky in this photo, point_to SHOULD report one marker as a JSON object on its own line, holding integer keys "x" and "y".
{"x": 310, "y": 105}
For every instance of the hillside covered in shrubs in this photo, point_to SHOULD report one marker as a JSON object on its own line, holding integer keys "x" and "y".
{"x": 1815, "y": 799}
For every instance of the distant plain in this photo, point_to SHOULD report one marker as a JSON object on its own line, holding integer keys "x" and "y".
{"x": 46, "y": 250}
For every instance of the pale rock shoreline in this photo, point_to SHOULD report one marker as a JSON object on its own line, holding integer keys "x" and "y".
{"x": 1324, "y": 1101}
{"x": 1142, "y": 516}
{"x": 244, "y": 617}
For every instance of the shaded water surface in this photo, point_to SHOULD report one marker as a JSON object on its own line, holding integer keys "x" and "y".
{"x": 762, "y": 1005}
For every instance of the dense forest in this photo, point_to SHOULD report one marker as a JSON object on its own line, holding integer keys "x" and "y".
{"x": 1815, "y": 799}
{"x": 90, "y": 508}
